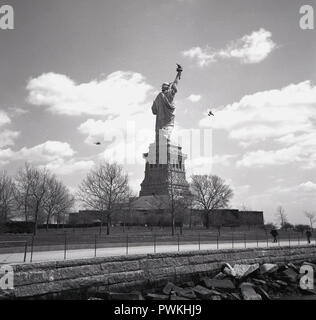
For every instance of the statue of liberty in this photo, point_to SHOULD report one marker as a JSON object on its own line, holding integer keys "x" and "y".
{"x": 164, "y": 107}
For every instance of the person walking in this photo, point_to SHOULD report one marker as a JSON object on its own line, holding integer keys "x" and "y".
{"x": 274, "y": 234}
{"x": 308, "y": 236}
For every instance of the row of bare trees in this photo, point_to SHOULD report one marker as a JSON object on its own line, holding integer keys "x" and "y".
{"x": 34, "y": 194}
{"x": 106, "y": 189}
{"x": 282, "y": 218}
{"x": 37, "y": 195}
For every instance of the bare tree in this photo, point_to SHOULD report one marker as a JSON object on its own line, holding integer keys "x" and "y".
{"x": 57, "y": 200}
{"x": 176, "y": 202}
{"x": 31, "y": 187}
{"x": 104, "y": 189}
{"x": 281, "y": 216}
{"x": 311, "y": 217}
{"x": 23, "y": 191}
{"x": 210, "y": 192}
{"x": 6, "y": 195}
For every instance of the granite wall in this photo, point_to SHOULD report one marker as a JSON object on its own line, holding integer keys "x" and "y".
{"x": 126, "y": 273}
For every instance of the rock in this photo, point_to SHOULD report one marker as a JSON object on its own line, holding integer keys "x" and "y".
{"x": 274, "y": 285}
{"x": 309, "y": 292}
{"x": 124, "y": 296}
{"x": 218, "y": 298}
{"x": 6, "y": 295}
{"x": 268, "y": 268}
{"x": 178, "y": 298}
{"x": 220, "y": 276}
{"x": 282, "y": 267}
{"x": 290, "y": 275}
{"x": 235, "y": 296}
{"x": 186, "y": 293}
{"x": 259, "y": 281}
{"x": 219, "y": 284}
{"x": 263, "y": 293}
{"x": 168, "y": 288}
{"x": 172, "y": 289}
{"x": 281, "y": 283}
{"x": 202, "y": 292}
{"x": 228, "y": 270}
{"x": 248, "y": 292}
{"x": 189, "y": 284}
{"x": 244, "y": 270}
{"x": 94, "y": 298}
{"x": 294, "y": 267}
{"x": 153, "y": 296}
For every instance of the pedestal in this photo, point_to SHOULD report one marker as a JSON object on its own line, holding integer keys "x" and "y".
{"x": 164, "y": 170}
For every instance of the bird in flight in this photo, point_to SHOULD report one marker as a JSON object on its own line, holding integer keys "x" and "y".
{"x": 98, "y": 143}
{"x": 210, "y": 113}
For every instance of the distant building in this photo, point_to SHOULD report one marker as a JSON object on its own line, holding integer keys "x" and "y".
{"x": 146, "y": 206}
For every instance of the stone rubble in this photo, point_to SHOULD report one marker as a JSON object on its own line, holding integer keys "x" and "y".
{"x": 241, "y": 282}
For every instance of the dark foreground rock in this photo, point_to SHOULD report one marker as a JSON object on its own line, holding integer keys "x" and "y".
{"x": 239, "y": 282}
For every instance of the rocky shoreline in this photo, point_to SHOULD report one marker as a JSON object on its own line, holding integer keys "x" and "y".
{"x": 241, "y": 282}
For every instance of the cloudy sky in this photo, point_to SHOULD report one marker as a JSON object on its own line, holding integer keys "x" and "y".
{"x": 74, "y": 72}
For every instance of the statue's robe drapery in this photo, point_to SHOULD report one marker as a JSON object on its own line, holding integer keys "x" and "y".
{"x": 164, "y": 108}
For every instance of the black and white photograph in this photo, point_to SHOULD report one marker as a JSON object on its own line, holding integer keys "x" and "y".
{"x": 158, "y": 157}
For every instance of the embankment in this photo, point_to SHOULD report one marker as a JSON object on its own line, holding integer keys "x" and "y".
{"x": 81, "y": 278}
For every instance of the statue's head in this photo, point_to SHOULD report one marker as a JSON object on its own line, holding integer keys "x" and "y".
{"x": 165, "y": 86}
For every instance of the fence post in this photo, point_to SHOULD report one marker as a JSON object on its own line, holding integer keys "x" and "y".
{"x": 245, "y": 240}
{"x": 25, "y": 251}
{"x": 32, "y": 245}
{"x": 127, "y": 244}
{"x": 95, "y": 245}
{"x": 199, "y": 241}
{"x": 65, "y": 247}
{"x": 257, "y": 240}
{"x": 299, "y": 240}
{"x": 217, "y": 242}
{"x": 233, "y": 241}
{"x": 155, "y": 243}
{"x": 267, "y": 241}
{"x": 178, "y": 242}
{"x": 289, "y": 239}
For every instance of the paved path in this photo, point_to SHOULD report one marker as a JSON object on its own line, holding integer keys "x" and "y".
{"x": 57, "y": 255}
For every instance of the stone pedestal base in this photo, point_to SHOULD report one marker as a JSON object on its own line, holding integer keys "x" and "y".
{"x": 164, "y": 171}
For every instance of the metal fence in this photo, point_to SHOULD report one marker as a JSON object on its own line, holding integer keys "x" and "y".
{"x": 35, "y": 250}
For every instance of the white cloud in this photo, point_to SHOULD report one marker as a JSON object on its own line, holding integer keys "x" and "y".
{"x": 249, "y": 49}
{"x": 66, "y": 167}
{"x": 252, "y": 48}
{"x": 284, "y": 118}
{"x": 45, "y": 152}
{"x": 262, "y": 158}
{"x": 203, "y": 56}
{"x": 7, "y": 138}
{"x": 4, "y": 118}
{"x": 194, "y": 97}
{"x": 308, "y": 186}
{"x": 122, "y": 98}
{"x": 204, "y": 164}
{"x": 54, "y": 155}
{"x": 119, "y": 93}
{"x": 125, "y": 138}
{"x": 48, "y": 151}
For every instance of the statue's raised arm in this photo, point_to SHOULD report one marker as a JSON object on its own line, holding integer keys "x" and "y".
{"x": 178, "y": 77}
{"x": 164, "y": 107}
